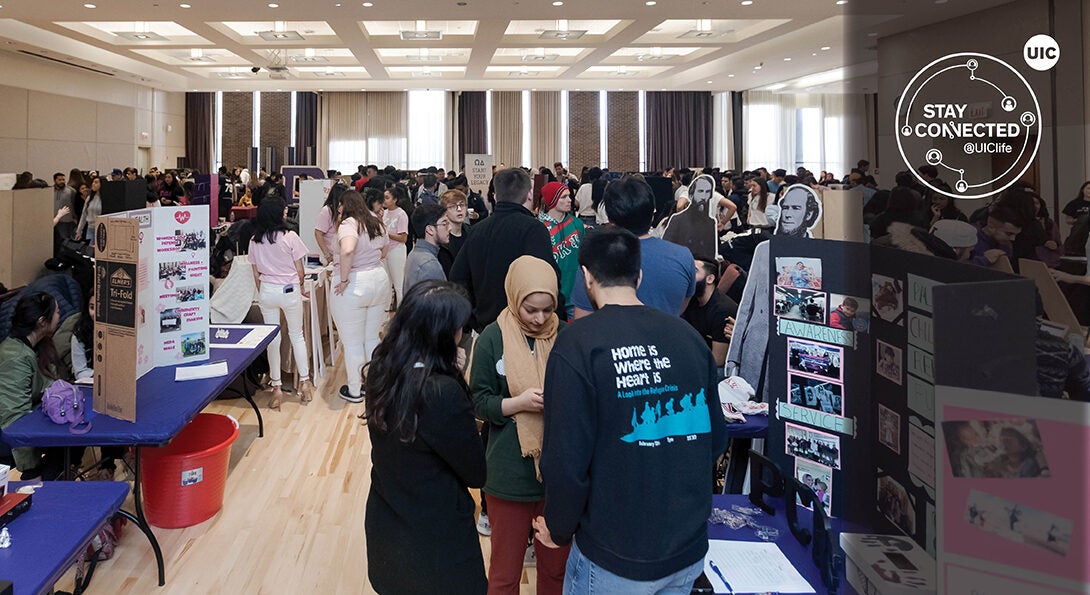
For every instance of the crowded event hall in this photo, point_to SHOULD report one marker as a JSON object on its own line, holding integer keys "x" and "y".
{"x": 542, "y": 297}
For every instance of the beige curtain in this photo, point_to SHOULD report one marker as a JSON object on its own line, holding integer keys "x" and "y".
{"x": 507, "y": 127}
{"x": 544, "y": 128}
{"x": 363, "y": 127}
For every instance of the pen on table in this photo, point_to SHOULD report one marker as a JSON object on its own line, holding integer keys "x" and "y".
{"x": 719, "y": 573}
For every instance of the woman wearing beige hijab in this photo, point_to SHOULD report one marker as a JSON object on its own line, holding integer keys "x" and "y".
{"x": 506, "y": 379}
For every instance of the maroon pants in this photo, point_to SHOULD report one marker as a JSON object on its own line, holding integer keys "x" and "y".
{"x": 512, "y": 523}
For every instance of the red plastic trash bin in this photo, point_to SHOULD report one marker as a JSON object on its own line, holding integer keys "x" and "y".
{"x": 183, "y": 481}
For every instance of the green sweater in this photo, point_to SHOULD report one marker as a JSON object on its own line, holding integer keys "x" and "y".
{"x": 510, "y": 476}
{"x": 21, "y": 385}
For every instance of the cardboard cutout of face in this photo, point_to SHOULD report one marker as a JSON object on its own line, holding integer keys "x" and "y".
{"x": 694, "y": 227}
{"x": 800, "y": 210}
{"x": 701, "y": 191}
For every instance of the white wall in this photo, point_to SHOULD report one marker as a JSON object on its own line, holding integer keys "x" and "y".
{"x": 55, "y": 118}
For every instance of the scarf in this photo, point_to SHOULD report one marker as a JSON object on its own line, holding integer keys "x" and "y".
{"x": 526, "y": 369}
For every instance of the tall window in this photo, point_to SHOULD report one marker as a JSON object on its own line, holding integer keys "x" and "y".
{"x": 427, "y": 129}
{"x": 809, "y": 145}
{"x": 345, "y": 155}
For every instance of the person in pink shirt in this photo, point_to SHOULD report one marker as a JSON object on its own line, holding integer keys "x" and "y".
{"x": 277, "y": 256}
{"x": 361, "y": 287}
{"x": 397, "y": 227}
{"x": 325, "y": 228}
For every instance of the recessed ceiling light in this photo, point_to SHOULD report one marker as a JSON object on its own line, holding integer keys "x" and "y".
{"x": 730, "y": 76}
{"x": 825, "y": 48}
{"x": 650, "y": 3}
{"x": 787, "y": 59}
{"x": 709, "y": 82}
{"x": 89, "y": 6}
{"x": 758, "y": 67}
{"x": 841, "y": 2}
{"x": 747, "y": 2}
{"x": 273, "y": 5}
{"x": 368, "y": 4}
{"x": 558, "y": 3}
{"x": 185, "y": 6}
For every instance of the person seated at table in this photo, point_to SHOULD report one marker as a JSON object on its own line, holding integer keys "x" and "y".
{"x": 506, "y": 381}
{"x": 425, "y": 451}
{"x": 28, "y": 363}
{"x": 277, "y": 255}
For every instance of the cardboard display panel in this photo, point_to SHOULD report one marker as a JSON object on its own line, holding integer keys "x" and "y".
{"x": 26, "y": 234}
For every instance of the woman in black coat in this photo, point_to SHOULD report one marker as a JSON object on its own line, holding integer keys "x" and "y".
{"x": 425, "y": 452}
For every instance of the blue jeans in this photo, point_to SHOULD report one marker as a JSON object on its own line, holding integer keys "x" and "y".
{"x": 583, "y": 576}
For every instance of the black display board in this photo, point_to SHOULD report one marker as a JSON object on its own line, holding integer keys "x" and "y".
{"x": 855, "y": 404}
{"x": 124, "y": 195}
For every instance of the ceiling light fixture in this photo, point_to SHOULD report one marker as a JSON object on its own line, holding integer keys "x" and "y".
{"x": 825, "y": 48}
{"x": 747, "y": 2}
{"x": 841, "y": 2}
{"x": 196, "y": 54}
{"x": 787, "y": 59}
{"x": 185, "y": 6}
{"x": 650, "y": 3}
{"x": 367, "y": 4}
{"x": 558, "y": 3}
{"x": 89, "y": 6}
{"x": 730, "y": 76}
{"x": 273, "y": 5}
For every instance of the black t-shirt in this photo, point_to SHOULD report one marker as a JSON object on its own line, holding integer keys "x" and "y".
{"x": 1077, "y": 208}
{"x": 709, "y": 319}
{"x": 449, "y": 251}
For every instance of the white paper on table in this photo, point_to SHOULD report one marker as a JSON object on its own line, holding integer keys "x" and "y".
{"x": 251, "y": 340}
{"x": 752, "y": 567}
{"x": 89, "y": 381}
{"x": 212, "y": 370}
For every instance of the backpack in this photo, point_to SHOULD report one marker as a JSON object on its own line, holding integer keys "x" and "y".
{"x": 63, "y": 403}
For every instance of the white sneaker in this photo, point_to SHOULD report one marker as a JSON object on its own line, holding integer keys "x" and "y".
{"x": 530, "y": 560}
{"x": 483, "y": 526}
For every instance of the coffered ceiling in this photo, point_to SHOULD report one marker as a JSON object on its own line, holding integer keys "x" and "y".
{"x": 717, "y": 45}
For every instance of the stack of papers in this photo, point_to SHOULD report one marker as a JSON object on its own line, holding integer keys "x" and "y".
{"x": 212, "y": 370}
{"x": 751, "y": 567}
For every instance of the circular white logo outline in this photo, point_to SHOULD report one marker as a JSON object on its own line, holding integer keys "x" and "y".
{"x": 1036, "y": 123}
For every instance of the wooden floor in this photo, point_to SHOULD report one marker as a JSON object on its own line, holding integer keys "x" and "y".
{"x": 292, "y": 518}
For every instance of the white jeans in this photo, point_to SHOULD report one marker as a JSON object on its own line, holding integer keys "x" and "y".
{"x": 272, "y": 300}
{"x": 359, "y": 313}
{"x": 395, "y": 266}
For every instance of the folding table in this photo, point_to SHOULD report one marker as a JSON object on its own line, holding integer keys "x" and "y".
{"x": 163, "y": 408}
{"x": 48, "y": 538}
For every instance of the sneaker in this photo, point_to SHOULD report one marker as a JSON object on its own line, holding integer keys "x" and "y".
{"x": 530, "y": 559}
{"x": 483, "y": 526}
{"x": 344, "y": 394}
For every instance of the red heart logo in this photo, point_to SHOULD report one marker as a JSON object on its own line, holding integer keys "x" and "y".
{"x": 181, "y": 217}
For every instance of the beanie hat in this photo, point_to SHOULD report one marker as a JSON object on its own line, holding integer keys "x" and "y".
{"x": 550, "y": 195}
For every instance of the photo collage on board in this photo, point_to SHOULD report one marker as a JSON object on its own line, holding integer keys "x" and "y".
{"x": 815, "y": 368}
{"x": 182, "y": 292}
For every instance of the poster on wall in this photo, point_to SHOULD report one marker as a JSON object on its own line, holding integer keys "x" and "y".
{"x": 1015, "y": 505}
{"x": 478, "y": 168}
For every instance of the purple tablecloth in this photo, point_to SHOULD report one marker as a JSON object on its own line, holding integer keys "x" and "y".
{"x": 47, "y": 539}
{"x": 799, "y": 556}
{"x": 163, "y": 406}
{"x": 755, "y": 426}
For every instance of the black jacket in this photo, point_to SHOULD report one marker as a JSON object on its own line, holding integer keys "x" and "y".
{"x": 421, "y": 537}
{"x": 481, "y": 266}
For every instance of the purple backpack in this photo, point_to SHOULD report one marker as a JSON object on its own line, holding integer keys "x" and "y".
{"x": 63, "y": 403}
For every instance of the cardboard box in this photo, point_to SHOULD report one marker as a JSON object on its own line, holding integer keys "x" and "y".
{"x": 887, "y": 565}
{"x": 151, "y": 298}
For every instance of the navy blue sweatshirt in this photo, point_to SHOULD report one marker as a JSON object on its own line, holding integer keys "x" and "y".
{"x": 632, "y": 430}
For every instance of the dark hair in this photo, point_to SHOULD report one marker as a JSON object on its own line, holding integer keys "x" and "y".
{"x": 270, "y": 220}
{"x": 31, "y": 308}
{"x": 85, "y": 327}
{"x": 630, "y": 204}
{"x": 904, "y": 178}
{"x": 1005, "y": 214}
{"x": 424, "y": 215}
{"x": 589, "y": 175}
{"x": 353, "y": 206}
{"x": 904, "y": 203}
{"x": 401, "y": 195}
{"x": 762, "y": 193}
{"x": 333, "y": 199}
{"x": 418, "y": 346}
{"x": 612, "y": 255}
{"x": 598, "y": 191}
{"x": 1081, "y": 190}
{"x": 371, "y": 196}
{"x": 1019, "y": 200}
{"x": 430, "y": 181}
{"x": 862, "y": 163}
{"x": 512, "y": 185}
{"x": 928, "y": 170}
{"x": 709, "y": 268}
{"x": 57, "y": 175}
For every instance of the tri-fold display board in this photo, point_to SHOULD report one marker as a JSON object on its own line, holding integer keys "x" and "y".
{"x": 151, "y": 299}
{"x": 861, "y": 337}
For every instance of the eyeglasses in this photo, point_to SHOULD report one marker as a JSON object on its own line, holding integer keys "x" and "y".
{"x": 443, "y": 224}
{"x": 458, "y": 206}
